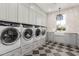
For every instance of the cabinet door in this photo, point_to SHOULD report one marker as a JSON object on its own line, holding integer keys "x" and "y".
{"x": 22, "y": 14}
{"x": 72, "y": 39}
{"x": 59, "y": 38}
{"x": 38, "y": 19}
{"x": 12, "y": 12}
{"x": 31, "y": 16}
{"x": 3, "y": 11}
{"x": 43, "y": 17}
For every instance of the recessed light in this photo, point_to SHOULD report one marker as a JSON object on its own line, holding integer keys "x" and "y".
{"x": 49, "y": 10}
{"x": 32, "y": 7}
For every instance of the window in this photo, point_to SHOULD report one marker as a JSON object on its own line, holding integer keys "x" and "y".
{"x": 61, "y": 23}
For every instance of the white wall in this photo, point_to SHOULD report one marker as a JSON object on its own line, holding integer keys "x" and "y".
{"x": 72, "y": 20}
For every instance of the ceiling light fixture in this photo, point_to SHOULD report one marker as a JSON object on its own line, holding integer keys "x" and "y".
{"x": 59, "y": 16}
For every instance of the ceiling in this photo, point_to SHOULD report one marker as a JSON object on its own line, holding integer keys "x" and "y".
{"x": 51, "y": 7}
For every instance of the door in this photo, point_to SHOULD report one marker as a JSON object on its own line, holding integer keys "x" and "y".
{"x": 23, "y": 13}
{"x": 3, "y": 11}
{"x": 32, "y": 16}
{"x": 38, "y": 19}
{"x": 43, "y": 32}
{"x": 37, "y": 32}
{"x": 12, "y": 12}
{"x": 27, "y": 34}
{"x": 9, "y": 36}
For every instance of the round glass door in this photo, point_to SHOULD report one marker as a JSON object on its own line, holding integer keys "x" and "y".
{"x": 27, "y": 33}
{"x": 9, "y": 36}
{"x": 37, "y": 33}
{"x": 43, "y": 32}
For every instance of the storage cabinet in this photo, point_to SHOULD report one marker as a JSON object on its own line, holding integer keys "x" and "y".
{"x": 70, "y": 39}
{"x": 32, "y": 16}
{"x": 77, "y": 41}
{"x": 59, "y": 38}
{"x": 8, "y": 12}
{"x": 3, "y": 11}
{"x": 12, "y": 12}
{"x": 43, "y": 17}
{"x": 23, "y": 13}
{"x": 38, "y": 19}
{"x": 67, "y": 39}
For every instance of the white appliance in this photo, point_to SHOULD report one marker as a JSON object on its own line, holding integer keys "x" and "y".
{"x": 37, "y": 32}
{"x": 37, "y": 36}
{"x": 43, "y": 35}
{"x": 9, "y": 36}
{"x": 27, "y": 38}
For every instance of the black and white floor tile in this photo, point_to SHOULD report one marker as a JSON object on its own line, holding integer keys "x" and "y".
{"x": 54, "y": 49}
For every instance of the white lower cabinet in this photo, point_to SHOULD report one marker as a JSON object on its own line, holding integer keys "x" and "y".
{"x": 70, "y": 39}
{"x": 16, "y": 52}
{"x": 59, "y": 38}
{"x": 77, "y": 41}
{"x": 67, "y": 39}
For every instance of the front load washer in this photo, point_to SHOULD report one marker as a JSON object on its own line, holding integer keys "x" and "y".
{"x": 37, "y": 32}
{"x": 9, "y": 36}
{"x": 37, "y": 36}
{"x": 43, "y": 34}
{"x": 27, "y": 38}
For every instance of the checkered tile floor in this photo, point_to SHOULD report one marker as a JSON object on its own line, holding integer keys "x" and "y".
{"x": 54, "y": 49}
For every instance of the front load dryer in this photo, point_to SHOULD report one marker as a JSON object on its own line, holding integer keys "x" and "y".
{"x": 9, "y": 36}
{"x": 27, "y": 38}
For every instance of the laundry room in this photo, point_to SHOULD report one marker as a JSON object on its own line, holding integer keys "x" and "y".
{"x": 39, "y": 29}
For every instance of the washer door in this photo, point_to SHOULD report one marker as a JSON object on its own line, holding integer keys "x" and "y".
{"x": 9, "y": 36}
{"x": 37, "y": 33}
{"x": 43, "y": 32}
{"x": 28, "y": 33}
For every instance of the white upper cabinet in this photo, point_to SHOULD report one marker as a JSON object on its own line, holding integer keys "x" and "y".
{"x": 12, "y": 12}
{"x": 23, "y": 13}
{"x": 3, "y": 11}
{"x": 38, "y": 19}
{"x": 44, "y": 19}
{"x": 32, "y": 16}
{"x": 8, "y": 12}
